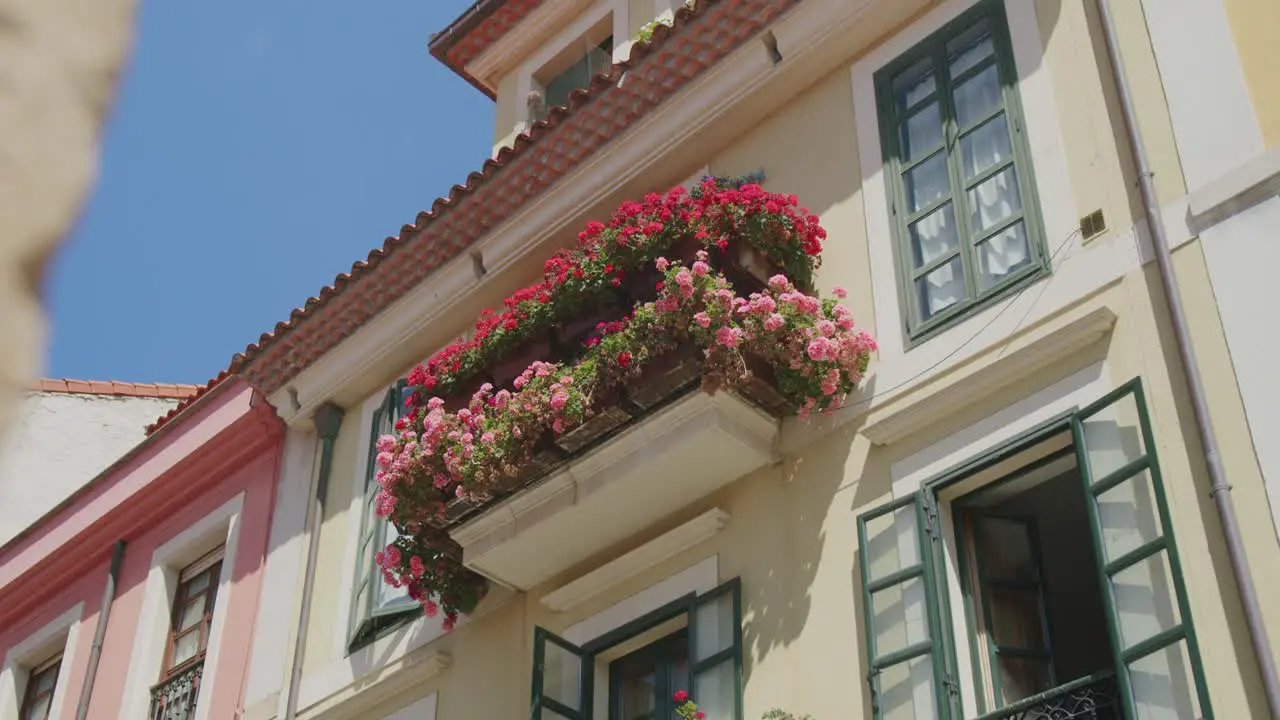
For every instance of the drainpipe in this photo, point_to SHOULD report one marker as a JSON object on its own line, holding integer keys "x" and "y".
{"x": 1221, "y": 490}
{"x": 328, "y": 418}
{"x": 95, "y": 652}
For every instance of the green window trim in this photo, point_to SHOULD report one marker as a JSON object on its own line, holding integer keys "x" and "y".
{"x": 955, "y": 129}
{"x": 921, "y": 519}
{"x": 703, "y": 662}
{"x": 369, "y": 619}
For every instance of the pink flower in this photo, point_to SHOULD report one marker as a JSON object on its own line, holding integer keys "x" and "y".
{"x": 778, "y": 282}
{"x": 840, "y": 292}
{"x": 430, "y": 608}
{"x": 393, "y": 555}
{"x": 702, "y": 319}
{"x": 386, "y": 443}
{"x": 817, "y": 349}
{"x": 827, "y": 328}
{"x": 558, "y": 401}
{"x": 701, "y": 269}
{"x": 416, "y": 568}
{"x": 487, "y": 438}
{"x": 662, "y": 264}
{"x": 774, "y": 321}
{"x": 435, "y": 403}
{"x": 729, "y": 336}
{"x": 385, "y": 459}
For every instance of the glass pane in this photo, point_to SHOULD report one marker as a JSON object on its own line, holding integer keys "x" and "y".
{"x": 1128, "y": 516}
{"x": 934, "y": 236}
{"x": 914, "y": 85}
{"x": 986, "y": 146}
{"x": 562, "y": 676}
{"x": 197, "y": 583}
{"x": 905, "y": 691}
{"x": 1015, "y": 618}
{"x": 575, "y": 76}
{"x": 39, "y": 710}
{"x": 46, "y": 679}
{"x": 940, "y": 289}
{"x": 1144, "y": 599}
{"x": 192, "y": 613}
{"x": 551, "y": 715}
{"x": 387, "y": 593}
{"x": 921, "y": 132}
{"x": 893, "y": 543}
{"x": 1021, "y": 677}
{"x": 714, "y": 626}
{"x": 1163, "y": 687}
{"x": 716, "y": 691}
{"x": 996, "y": 199}
{"x": 969, "y": 48}
{"x": 185, "y": 647}
{"x": 1005, "y": 549}
{"x": 1113, "y": 437}
{"x": 927, "y": 183}
{"x": 899, "y": 617}
{"x": 1002, "y": 255}
{"x": 637, "y": 692}
{"x": 977, "y": 97}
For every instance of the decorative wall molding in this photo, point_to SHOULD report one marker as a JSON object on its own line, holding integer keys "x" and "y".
{"x": 616, "y": 571}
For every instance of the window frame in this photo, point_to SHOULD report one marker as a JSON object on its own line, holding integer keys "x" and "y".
{"x": 915, "y": 330}
{"x": 211, "y": 563}
{"x": 686, "y": 606}
{"x": 52, "y": 665}
{"x": 369, "y": 621}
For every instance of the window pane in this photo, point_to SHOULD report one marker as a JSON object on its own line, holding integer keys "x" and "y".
{"x": 1021, "y": 677}
{"x": 714, "y": 626}
{"x": 893, "y": 543}
{"x": 562, "y": 676}
{"x": 1113, "y": 437}
{"x": 977, "y": 97}
{"x": 934, "y": 236}
{"x": 927, "y": 183}
{"x": 986, "y": 146}
{"x": 39, "y": 709}
{"x": 969, "y": 48}
{"x": 940, "y": 289}
{"x": 905, "y": 691}
{"x": 996, "y": 199}
{"x": 551, "y": 715}
{"x": 1163, "y": 688}
{"x": 197, "y": 583}
{"x": 1128, "y": 516}
{"x": 900, "y": 617}
{"x": 716, "y": 691}
{"x": 1015, "y": 618}
{"x": 914, "y": 85}
{"x": 1144, "y": 599}
{"x": 1005, "y": 549}
{"x": 192, "y": 613}
{"x": 185, "y": 647}
{"x": 921, "y": 132}
{"x": 1002, "y": 255}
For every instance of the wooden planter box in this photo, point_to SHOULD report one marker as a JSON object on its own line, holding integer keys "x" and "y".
{"x": 609, "y": 414}
{"x": 517, "y": 361}
{"x": 665, "y": 375}
{"x": 761, "y": 386}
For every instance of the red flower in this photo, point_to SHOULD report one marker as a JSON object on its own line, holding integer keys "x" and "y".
{"x": 680, "y": 696}
{"x": 624, "y": 358}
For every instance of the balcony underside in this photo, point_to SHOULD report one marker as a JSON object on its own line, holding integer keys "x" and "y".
{"x": 660, "y": 465}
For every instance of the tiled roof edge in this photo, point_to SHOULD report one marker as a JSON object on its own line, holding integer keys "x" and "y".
{"x": 161, "y": 391}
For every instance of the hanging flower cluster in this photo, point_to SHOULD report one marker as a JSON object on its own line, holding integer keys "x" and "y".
{"x": 606, "y": 256}
{"x": 816, "y": 353}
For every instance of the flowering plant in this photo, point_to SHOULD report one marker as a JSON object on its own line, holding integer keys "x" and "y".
{"x": 686, "y": 708}
{"x": 815, "y": 352}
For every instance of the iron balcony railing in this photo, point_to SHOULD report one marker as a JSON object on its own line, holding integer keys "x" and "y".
{"x": 175, "y": 698}
{"x": 1094, "y": 697}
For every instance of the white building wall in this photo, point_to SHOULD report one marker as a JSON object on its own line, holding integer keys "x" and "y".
{"x": 60, "y": 441}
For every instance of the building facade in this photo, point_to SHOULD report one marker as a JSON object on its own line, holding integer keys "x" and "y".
{"x": 137, "y": 595}
{"x": 1013, "y": 512}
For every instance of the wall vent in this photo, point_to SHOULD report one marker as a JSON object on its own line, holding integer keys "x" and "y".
{"x": 1093, "y": 225}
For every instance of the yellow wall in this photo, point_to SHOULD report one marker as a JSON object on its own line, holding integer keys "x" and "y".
{"x": 1256, "y": 25}
{"x": 792, "y": 537}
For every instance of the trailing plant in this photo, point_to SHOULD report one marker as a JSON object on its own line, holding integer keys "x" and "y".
{"x": 646, "y": 32}
{"x": 688, "y": 710}
{"x": 815, "y": 352}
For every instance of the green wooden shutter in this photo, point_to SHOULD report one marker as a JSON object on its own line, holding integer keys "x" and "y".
{"x": 562, "y": 679}
{"x": 900, "y": 604}
{"x": 715, "y": 644}
{"x": 1157, "y": 658}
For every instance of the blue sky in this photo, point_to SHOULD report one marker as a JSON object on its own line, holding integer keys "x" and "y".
{"x": 255, "y": 150}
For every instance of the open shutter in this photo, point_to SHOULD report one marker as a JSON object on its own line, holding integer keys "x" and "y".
{"x": 1157, "y": 660}
{"x": 562, "y": 676}
{"x": 905, "y": 651}
{"x": 715, "y": 631}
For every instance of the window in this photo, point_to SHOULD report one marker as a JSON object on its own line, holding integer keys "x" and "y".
{"x": 377, "y": 607}
{"x": 1072, "y": 586}
{"x": 961, "y": 192}
{"x": 693, "y": 644}
{"x": 191, "y": 619}
{"x": 37, "y": 699}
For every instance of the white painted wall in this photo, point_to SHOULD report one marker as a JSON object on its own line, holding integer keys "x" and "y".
{"x": 60, "y": 441}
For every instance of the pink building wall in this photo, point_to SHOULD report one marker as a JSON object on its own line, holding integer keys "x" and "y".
{"x": 225, "y": 449}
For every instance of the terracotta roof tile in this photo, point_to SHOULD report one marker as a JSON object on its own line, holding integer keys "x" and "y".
{"x": 539, "y": 157}
{"x": 478, "y": 28}
{"x": 193, "y": 394}
{"x": 117, "y": 388}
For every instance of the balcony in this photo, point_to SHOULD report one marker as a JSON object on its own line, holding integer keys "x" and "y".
{"x": 175, "y": 697}
{"x": 1095, "y": 697}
